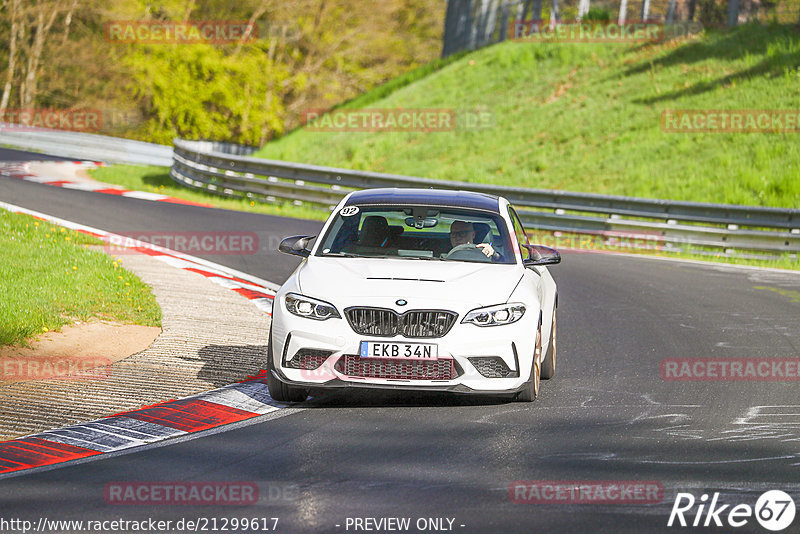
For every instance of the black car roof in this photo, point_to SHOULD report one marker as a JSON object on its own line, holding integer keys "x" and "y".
{"x": 425, "y": 197}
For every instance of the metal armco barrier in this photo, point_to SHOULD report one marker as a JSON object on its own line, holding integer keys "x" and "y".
{"x": 85, "y": 146}
{"x": 223, "y": 169}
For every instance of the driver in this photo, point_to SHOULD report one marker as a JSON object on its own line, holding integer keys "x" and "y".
{"x": 463, "y": 233}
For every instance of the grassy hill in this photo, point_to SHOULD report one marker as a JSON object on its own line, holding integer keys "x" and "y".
{"x": 586, "y": 117}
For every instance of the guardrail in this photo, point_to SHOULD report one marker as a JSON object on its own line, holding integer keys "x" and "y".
{"x": 228, "y": 170}
{"x": 85, "y": 146}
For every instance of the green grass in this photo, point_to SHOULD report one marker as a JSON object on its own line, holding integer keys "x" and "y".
{"x": 49, "y": 278}
{"x": 156, "y": 180}
{"x": 384, "y": 91}
{"x": 586, "y": 117}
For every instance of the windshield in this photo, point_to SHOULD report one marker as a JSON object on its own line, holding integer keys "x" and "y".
{"x": 419, "y": 233}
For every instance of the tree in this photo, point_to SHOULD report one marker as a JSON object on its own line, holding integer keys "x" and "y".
{"x": 14, "y": 7}
{"x": 32, "y": 24}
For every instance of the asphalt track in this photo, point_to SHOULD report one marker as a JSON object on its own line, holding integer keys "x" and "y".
{"x": 608, "y": 415}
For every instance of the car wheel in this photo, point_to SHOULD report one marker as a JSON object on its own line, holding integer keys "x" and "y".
{"x": 549, "y": 363}
{"x": 278, "y": 390}
{"x": 531, "y": 390}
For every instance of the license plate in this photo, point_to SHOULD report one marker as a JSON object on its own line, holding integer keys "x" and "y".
{"x": 400, "y": 351}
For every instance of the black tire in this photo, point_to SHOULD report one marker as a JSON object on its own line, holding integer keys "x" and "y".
{"x": 278, "y": 390}
{"x": 531, "y": 390}
{"x": 549, "y": 363}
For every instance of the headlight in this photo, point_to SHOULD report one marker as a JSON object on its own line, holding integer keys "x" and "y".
{"x": 496, "y": 315}
{"x": 303, "y": 306}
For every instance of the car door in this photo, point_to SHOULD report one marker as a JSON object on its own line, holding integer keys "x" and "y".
{"x": 537, "y": 276}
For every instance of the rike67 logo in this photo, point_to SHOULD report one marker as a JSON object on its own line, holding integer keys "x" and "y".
{"x": 774, "y": 510}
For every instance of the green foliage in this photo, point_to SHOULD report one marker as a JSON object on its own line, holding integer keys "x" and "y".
{"x": 309, "y": 54}
{"x": 395, "y": 84}
{"x": 598, "y": 14}
{"x": 711, "y": 13}
{"x": 199, "y": 92}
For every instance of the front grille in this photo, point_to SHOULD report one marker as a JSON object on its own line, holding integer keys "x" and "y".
{"x": 388, "y": 323}
{"x": 352, "y": 365}
{"x": 373, "y": 321}
{"x": 308, "y": 359}
{"x": 423, "y": 323}
{"x": 492, "y": 367}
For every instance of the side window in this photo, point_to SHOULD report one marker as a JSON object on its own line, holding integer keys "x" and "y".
{"x": 519, "y": 233}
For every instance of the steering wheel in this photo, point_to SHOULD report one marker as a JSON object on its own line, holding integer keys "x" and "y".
{"x": 467, "y": 251}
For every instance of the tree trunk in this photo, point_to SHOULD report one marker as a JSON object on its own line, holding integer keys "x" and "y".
{"x": 450, "y": 27}
{"x": 645, "y": 10}
{"x": 248, "y": 35}
{"x": 537, "y": 11}
{"x": 43, "y": 26}
{"x": 68, "y": 21}
{"x": 554, "y": 14}
{"x": 671, "y": 11}
{"x": 733, "y": 13}
{"x": 490, "y": 21}
{"x": 583, "y": 8}
{"x": 12, "y": 58}
{"x": 623, "y": 8}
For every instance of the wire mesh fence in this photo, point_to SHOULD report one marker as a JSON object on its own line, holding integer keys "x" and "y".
{"x": 473, "y": 24}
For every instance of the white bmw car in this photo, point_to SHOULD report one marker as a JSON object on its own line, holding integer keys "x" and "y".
{"x": 416, "y": 289}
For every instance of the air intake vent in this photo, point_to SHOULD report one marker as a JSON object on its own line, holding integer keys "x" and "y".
{"x": 352, "y": 365}
{"x": 308, "y": 359}
{"x": 492, "y": 367}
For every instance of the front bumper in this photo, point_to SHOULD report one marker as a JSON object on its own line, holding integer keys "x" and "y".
{"x": 346, "y": 384}
{"x": 512, "y": 344}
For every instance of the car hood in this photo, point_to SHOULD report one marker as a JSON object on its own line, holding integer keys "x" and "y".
{"x": 378, "y": 281}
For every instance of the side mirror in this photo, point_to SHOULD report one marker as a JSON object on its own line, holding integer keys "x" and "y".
{"x": 541, "y": 255}
{"x": 296, "y": 245}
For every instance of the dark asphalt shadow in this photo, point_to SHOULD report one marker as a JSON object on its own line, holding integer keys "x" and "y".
{"x": 226, "y": 364}
{"x": 374, "y": 398}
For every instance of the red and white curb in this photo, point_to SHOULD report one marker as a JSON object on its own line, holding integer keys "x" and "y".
{"x": 22, "y": 171}
{"x": 237, "y": 402}
{"x": 230, "y": 404}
